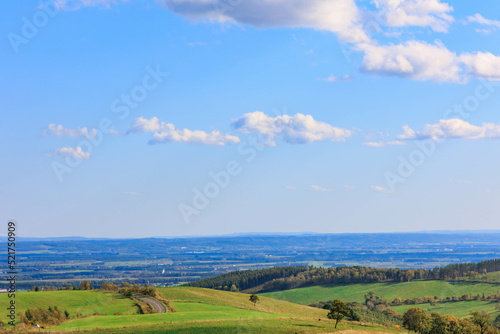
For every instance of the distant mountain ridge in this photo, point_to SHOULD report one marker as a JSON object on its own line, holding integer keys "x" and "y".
{"x": 260, "y": 234}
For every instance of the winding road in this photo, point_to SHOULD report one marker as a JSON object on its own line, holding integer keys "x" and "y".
{"x": 153, "y": 302}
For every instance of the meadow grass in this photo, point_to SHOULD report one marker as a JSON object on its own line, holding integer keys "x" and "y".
{"x": 494, "y": 276}
{"x": 83, "y": 301}
{"x": 459, "y": 309}
{"x": 238, "y": 300}
{"x": 185, "y": 312}
{"x": 389, "y": 291}
{"x": 253, "y": 326}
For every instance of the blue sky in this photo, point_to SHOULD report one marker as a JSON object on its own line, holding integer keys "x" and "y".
{"x": 324, "y": 116}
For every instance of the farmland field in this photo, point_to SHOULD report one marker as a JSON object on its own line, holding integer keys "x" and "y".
{"x": 238, "y": 300}
{"x": 494, "y": 276}
{"x": 196, "y": 304}
{"x": 389, "y": 291}
{"x": 185, "y": 312}
{"x": 459, "y": 309}
{"x": 84, "y": 302}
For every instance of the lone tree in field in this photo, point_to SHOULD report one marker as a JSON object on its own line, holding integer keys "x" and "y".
{"x": 338, "y": 311}
{"x": 254, "y": 299}
{"x": 482, "y": 320}
{"x": 416, "y": 319}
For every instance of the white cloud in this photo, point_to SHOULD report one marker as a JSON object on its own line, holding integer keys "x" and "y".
{"x": 348, "y": 188}
{"x": 482, "y": 64}
{"x": 131, "y": 193}
{"x": 333, "y": 78}
{"x": 60, "y": 131}
{"x": 382, "y": 190}
{"x": 414, "y": 60}
{"x": 318, "y": 188}
{"x": 341, "y": 17}
{"x": 291, "y": 188}
{"x": 142, "y": 124}
{"x": 479, "y": 19}
{"x": 74, "y": 152}
{"x": 408, "y": 133}
{"x": 298, "y": 129}
{"x": 166, "y": 133}
{"x": 452, "y": 128}
{"x": 382, "y": 143}
{"x": 77, "y": 4}
{"x": 421, "y": 13}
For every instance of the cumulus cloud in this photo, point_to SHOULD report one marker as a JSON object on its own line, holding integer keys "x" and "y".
{"x": 414, "y": 60}
{"x": 318, "y": 188}
{"x": 491, "y": 25}
{"x": 381, "y": 189}
{"x": 73, "y": 152}
{"x": 382, "y": 143}
{"x": 421, "y": 13}
{"x": 60, "y": 131}
{"x": 452, "y": 128}
{"x": 298, "y": 129}
{"x": 333, "y": 78}
{"x": 291, "y": 188}
{"x": 482, "y": 64}
{"x": 166, "y": 133}
{"x": 341, "y": 17}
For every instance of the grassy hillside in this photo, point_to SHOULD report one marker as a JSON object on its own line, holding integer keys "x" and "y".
{"x": 389, "y": 291}
{"x": 494, "y": 276}
{"x": 185, "y": 312}
{"x": 85, "y": 302}
{"x": 238, "y": 300}
{"x": 191, "y": 304}
{"x": 459, "y": 309}
{"x": 269, "y": 326}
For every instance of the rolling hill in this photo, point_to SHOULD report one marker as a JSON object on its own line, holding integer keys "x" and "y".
{"x": 389, "y": 291}
{"x": 83, "y": 301}
{"x": 197, "y": 310}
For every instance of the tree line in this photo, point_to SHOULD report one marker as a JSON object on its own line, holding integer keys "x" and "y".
{"x": 284, "y": 278}
{"x": 246, "y": 279}
{"x": 374, "y": 302}
{"x": 420, "y": 321}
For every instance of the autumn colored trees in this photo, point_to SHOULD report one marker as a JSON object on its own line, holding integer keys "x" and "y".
{"x": 420, "y": 321}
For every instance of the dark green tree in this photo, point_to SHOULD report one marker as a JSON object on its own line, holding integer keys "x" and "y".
{"x": 254, "y": 299}
{"x": 338, "y": 311}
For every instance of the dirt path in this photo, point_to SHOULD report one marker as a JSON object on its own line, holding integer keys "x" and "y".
{"x": 153, "y": 302}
